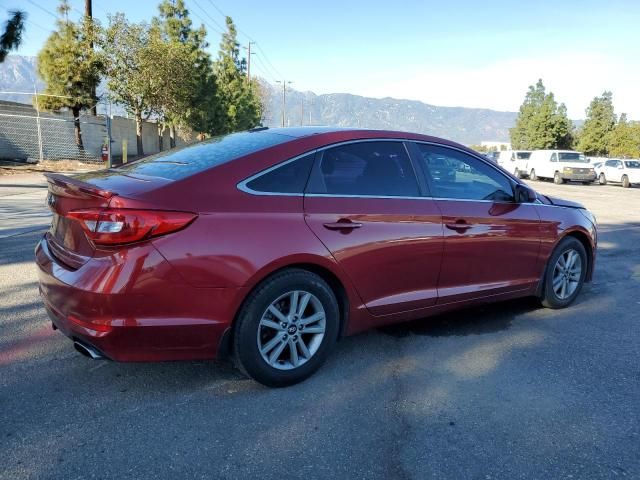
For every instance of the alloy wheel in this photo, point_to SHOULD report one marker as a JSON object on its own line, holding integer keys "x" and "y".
{"x": 291, "y": 330}
{"x": 566, "y": 274}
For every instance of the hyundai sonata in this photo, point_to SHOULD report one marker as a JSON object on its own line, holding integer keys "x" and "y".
{"x": 270, "y": 245}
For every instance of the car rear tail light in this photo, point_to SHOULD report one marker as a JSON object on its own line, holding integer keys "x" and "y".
{"x": 120, "y": 226}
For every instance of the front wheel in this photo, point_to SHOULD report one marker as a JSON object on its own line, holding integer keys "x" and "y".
{"x": 602, "y": 179}
{"x": 532, "y": 175}
{"x": 286, "y": 328}
{"x": 565, "y": 273}
{"x": 516, "y": 173}
{"x": 625, "y": 181}
{"x": 557, "y": 179}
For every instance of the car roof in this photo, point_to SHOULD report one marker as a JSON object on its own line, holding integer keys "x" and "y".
{"x": 330, "y": 134}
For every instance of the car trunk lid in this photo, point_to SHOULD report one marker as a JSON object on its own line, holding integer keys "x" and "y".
{"x": 94, "y": 190}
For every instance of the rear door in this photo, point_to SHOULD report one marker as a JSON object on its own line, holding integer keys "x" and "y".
{"x": 363, "y": 201}
{"x": 491, "y": 243}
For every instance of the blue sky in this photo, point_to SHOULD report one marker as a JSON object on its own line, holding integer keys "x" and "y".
{"x": 468, "y": 53}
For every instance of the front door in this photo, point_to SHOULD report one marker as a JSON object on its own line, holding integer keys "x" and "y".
{"x": 491, "y": 243}
{"x": 364, "y": 203}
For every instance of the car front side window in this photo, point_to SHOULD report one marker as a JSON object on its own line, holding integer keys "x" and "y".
{"x": 453, "y": 174}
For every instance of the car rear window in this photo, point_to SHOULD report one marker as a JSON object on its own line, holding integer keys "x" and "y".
{"x": 290, "y": 177}
{"x": 186, "y": 161}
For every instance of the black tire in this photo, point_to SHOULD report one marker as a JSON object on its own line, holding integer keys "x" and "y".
{"x": 247, "y": 353}
{"x": 549, "y": 297}
{"x": 557, "y": 179}
{"x": 516, "y": 173}
{"x": 532, "y": 175}
{"x": 625, "y": 181}
{"x": 602, "y": 180}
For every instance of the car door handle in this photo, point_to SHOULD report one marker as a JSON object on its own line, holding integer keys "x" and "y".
{"x": 459, "y": 226}
{"x": 342, "y": 225}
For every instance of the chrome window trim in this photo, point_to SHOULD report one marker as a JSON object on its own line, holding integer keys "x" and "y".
{"x": 242, "y": 186}
{"x": 335, "y": 195}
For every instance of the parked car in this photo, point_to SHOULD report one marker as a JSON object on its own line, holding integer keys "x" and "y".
{"x": 626, "y": 172}
{"x": 560, "y": 165}
{"x": 493, "y": 156}
{"x": 515, "y": 161}
{"x": 270, "y": 245}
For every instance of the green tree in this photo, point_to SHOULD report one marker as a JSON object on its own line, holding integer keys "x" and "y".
{"x": 594, "y": 136}
{"x": 175, "y": 25}
{"x": 70, "y": 68}
{"x": 624, "y": 139}
{"x": 239, "y": 99}
{"x": 541, "y": 122}
{"x": 146, "y": 74}
{"x": 12, "y": 35}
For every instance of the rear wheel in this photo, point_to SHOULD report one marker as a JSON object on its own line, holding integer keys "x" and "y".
{"x": 565, "y": 273}
{"x": 557, "y": 179}
{"x": 625, "y": 181}
{"x": 516, "y": 173}
{"x": 602, "y": 179}
{"x": 532, "y": 175}
{"x": 287, "y": 328}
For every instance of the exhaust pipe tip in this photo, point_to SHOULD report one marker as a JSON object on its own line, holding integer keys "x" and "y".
{"x": 87, "y": 350}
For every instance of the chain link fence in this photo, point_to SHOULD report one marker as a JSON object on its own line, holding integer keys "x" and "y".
{"x": 28, "y": 133}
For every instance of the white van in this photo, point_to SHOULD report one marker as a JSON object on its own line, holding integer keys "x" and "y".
{"x": 514, "y": 161}
{"x": 561, "y": 165}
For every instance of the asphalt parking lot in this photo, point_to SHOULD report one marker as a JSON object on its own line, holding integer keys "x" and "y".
{"x": 503, "y": 392}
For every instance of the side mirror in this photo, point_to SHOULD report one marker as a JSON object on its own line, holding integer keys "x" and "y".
{"x": 524, "y": 194}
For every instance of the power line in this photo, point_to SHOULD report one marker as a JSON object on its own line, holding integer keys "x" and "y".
{"x": 43, "y": 9}
{"x": 39, "y": 26}
{"x": 205, "y": 23}
{"x": 265, "y": 69}
{"x": 210, "y": 17}
{"x": 264, "y": 55}
{"x": 251, "y": 39}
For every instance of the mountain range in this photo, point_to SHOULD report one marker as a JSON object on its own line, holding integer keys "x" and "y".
{"x": 465, "y": 125}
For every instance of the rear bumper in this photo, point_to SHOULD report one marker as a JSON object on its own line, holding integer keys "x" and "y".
{"x": 131, "y": 305}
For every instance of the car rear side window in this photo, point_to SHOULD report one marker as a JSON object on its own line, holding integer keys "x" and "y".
{"x": 185, "y": 161}
{"x": 379, "y": 168}
{"x": 453, "y": 174}
{"x": 291, "y": 177}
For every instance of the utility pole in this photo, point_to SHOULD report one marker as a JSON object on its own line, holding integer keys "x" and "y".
{"x": 302, "y": 111}
{"x": 88, "y": 12}
{"x": 249, "y": 53}
{"x": 284, "y": 98}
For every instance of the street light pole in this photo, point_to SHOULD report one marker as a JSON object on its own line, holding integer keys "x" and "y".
{"x": 284, "y": 98}
{"x": 249, "y": 53}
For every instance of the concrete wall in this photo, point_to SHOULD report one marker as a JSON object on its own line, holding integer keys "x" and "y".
{"x": 19, "y": 135}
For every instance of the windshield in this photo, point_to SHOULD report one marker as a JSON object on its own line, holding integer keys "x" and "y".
{"x": 632, "y": 164}
{"x": 523, "y": 155}
{"x": 185, "y": 161}
{"x": 572, "y": 157}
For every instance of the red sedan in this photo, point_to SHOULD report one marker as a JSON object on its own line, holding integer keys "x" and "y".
{"x": 269, "y": 245}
